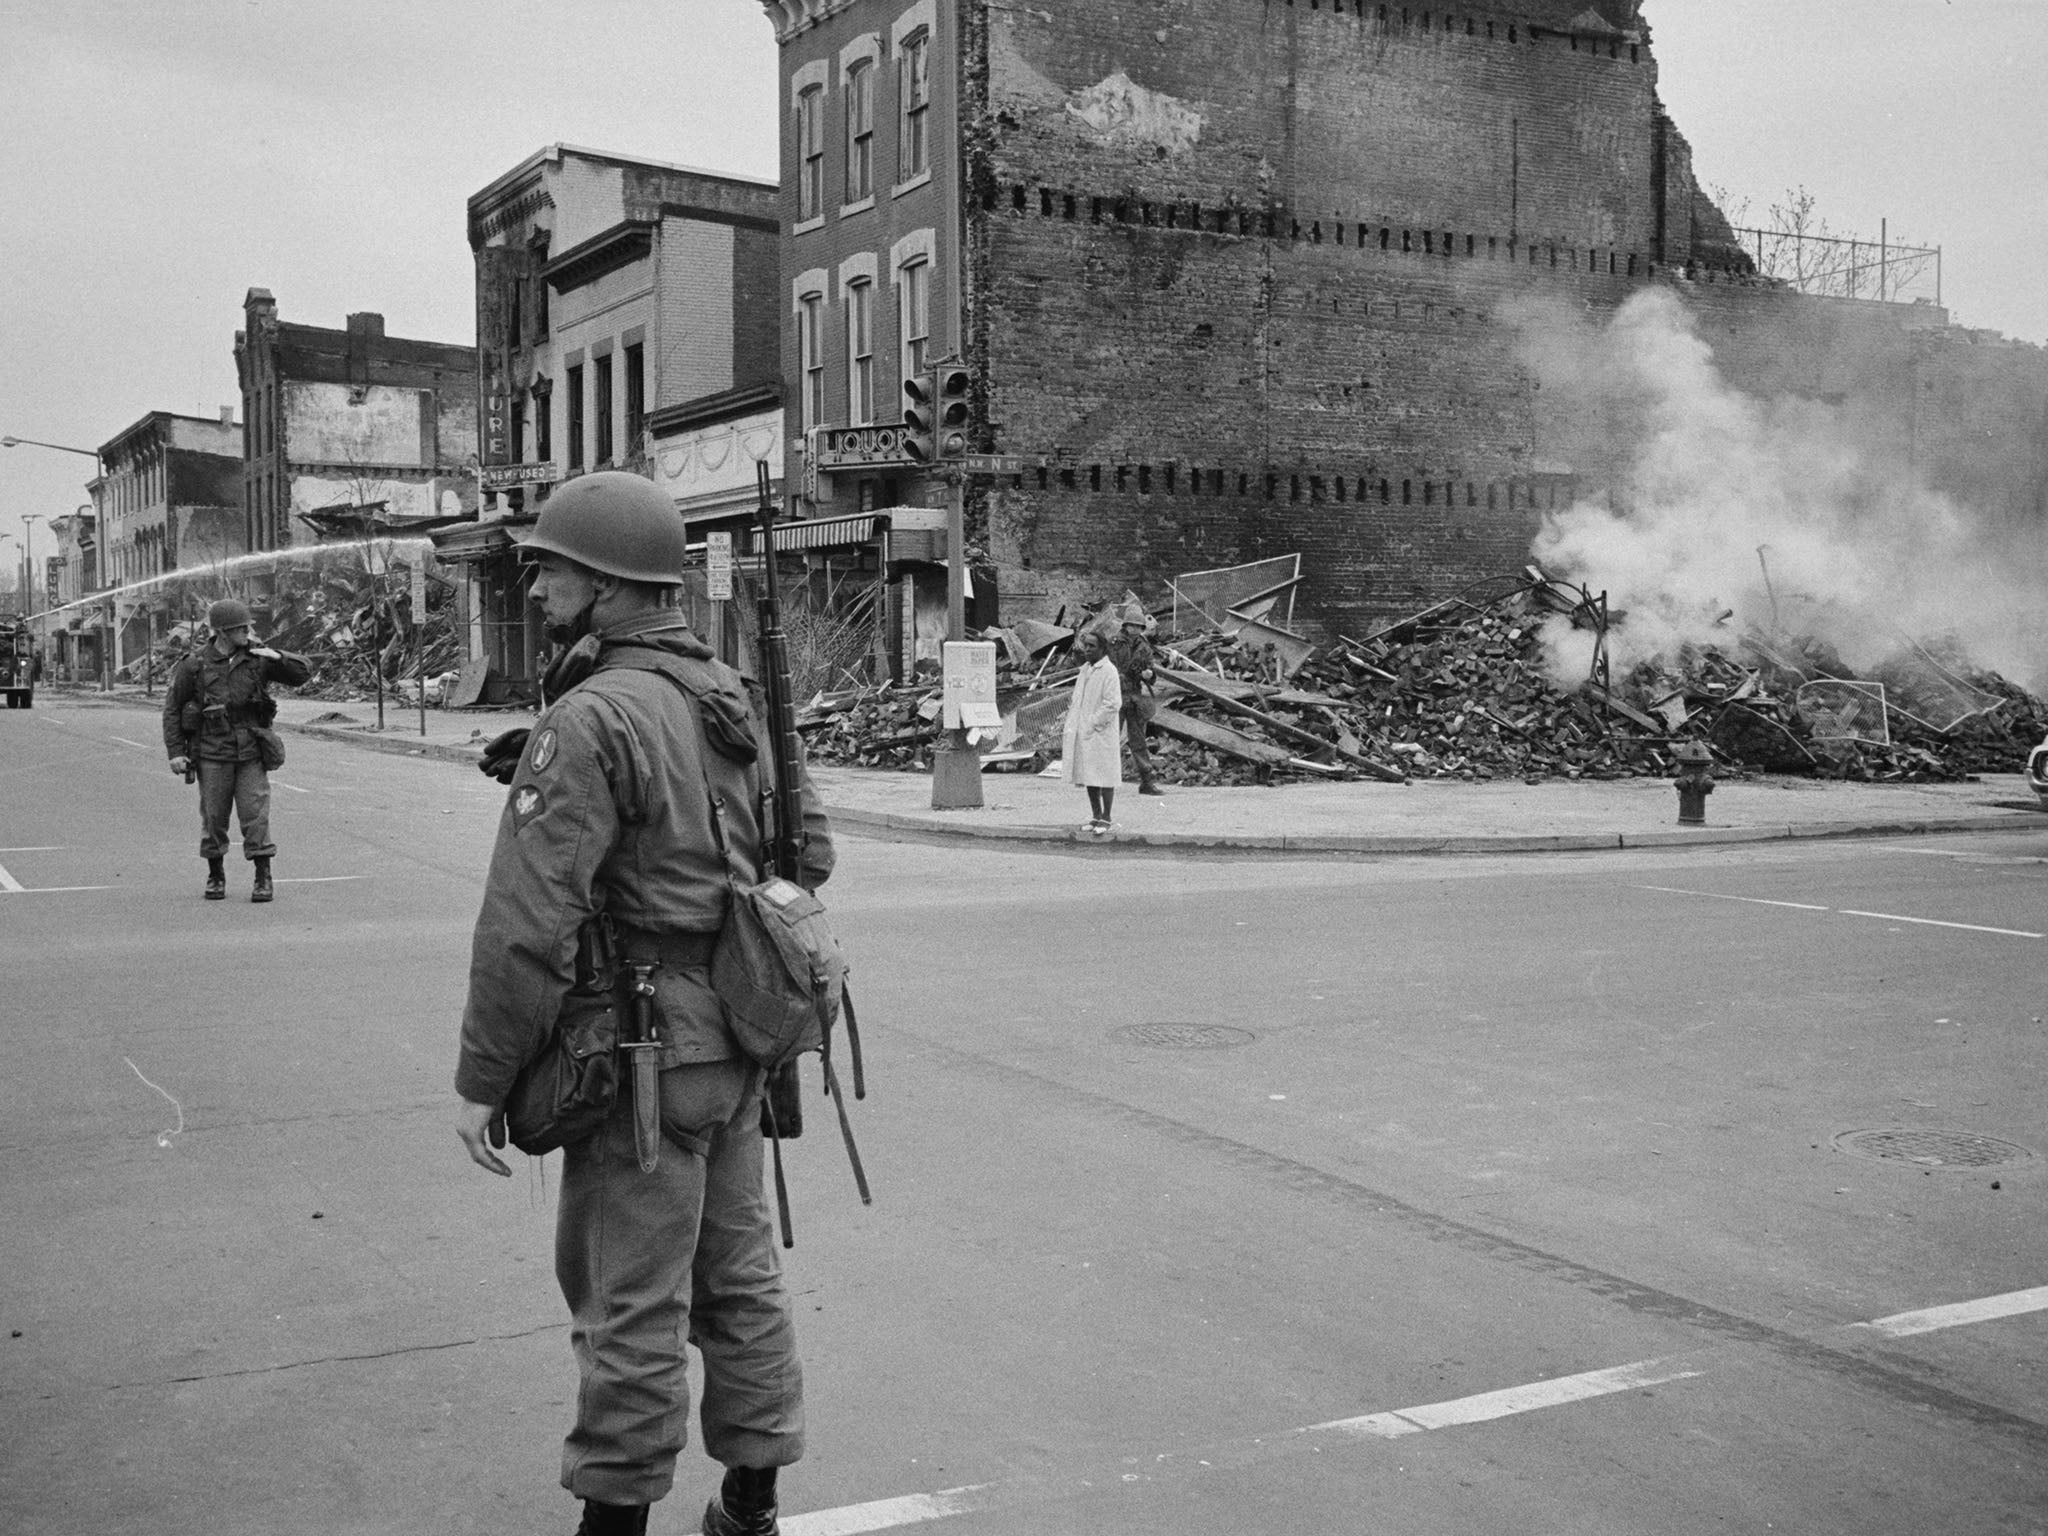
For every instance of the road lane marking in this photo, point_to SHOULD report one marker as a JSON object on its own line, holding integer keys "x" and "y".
{"x": 1985, "y": 1308}
{"x": 1970, "y": 857}
{"x": 1483, "y": 1406}
{"x": 1755, "y": 901}
{"x": 889, "y": 1514}
{"x": 52, "y": 848}
{"x": 1480, "y": 1408}
{"x": 48, "y": 890}
{"x": 280, "y": 783}
{"x": 1888, "y": 917}
{"x": 315, "y": 879}
{"x": 1935, "y": 922}
{"x": 139, "y": 746}
{"x": 8, "y": 882}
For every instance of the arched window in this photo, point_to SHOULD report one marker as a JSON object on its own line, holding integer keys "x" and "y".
{"x": 914, "y": 95}
{"x": 810, "y": 134}
{"x": 860, "y": 352}
{"x": 860, "y": 132}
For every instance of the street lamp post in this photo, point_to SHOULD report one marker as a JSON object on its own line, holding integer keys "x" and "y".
{"x": 28, "y": 560}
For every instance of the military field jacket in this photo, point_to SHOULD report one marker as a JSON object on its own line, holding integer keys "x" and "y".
{"x": 610, "y": 810}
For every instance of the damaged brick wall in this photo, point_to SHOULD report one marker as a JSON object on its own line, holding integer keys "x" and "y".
{"x": 1293, "y": 227}
{"x": 1242, "y": 275}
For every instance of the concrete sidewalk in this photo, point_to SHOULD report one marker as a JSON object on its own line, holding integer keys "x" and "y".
{"x": 1315, "y": 820}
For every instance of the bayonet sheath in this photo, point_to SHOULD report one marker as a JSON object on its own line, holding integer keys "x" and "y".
{"x": 643, "y": 1047}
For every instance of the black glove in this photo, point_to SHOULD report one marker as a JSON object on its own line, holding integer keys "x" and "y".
{"x": 502, "y": 753}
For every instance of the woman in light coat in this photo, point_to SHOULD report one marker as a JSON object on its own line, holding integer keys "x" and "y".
{"x": 1091, "y": 744}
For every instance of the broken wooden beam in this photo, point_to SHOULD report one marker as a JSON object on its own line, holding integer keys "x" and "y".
{"x": 1285, "y": 731}
{"x": 1220, "y": 738}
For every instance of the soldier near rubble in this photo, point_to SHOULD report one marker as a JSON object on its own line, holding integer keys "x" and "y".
{"x": 609, "y": 819}
{"x": 1132, "y": 653}
{"x": 217, "y": 715}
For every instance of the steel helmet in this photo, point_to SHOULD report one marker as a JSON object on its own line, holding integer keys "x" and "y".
{"x": 227, "y": 614}
{"x": 621, "y": 524}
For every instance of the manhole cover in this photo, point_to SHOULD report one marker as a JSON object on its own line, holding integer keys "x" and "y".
{"x": 1931, "y": 1149}
{"x": 1185, "y": 1037}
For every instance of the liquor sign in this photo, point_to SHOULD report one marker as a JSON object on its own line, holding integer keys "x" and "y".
{"x": 718, "y": 566}
{"x": 504, "y": 477}
{"x": 859, "y": 447}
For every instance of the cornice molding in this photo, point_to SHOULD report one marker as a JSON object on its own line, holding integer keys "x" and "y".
{"x": 793, "y": 16}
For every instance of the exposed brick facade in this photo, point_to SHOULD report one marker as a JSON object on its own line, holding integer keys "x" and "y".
{"x": 349, "y": 415}
{"x": 1240, "y": 268}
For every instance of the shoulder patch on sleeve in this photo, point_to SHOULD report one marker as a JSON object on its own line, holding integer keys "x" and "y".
{"x": 543, "y": 751}
{"x": 527, "y": 803}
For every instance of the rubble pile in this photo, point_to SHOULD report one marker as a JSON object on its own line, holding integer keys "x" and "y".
{"x": 1461, "y": 690}
{"x": 348, "y": 624}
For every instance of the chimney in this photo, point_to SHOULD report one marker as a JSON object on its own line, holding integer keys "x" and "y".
{"x": 368, "y": 324}
{"x": 227, "y": 415}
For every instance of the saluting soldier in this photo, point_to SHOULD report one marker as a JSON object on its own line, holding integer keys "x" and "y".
{"x": 612, "y": 795}
{"x": 217, "y": 714}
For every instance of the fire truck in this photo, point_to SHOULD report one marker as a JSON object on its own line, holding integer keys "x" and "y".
{"x": 17, "y": 663}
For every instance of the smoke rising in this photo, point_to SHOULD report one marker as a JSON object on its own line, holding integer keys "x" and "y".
{"x": 1778, "y": 513}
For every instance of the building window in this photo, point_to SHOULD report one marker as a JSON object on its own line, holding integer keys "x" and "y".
{"x": 518, "y": 444}
{"x": 540, "y": 308}
{"x": 574, "y": 425}
{"x": 913, "y": 154}
{"x": 514, "y": 311}
{"x": 543, "y": 427}
{"x": 811, "y": 350}
{"x": 636, "y": 396}
{"x": 914, "y": 314}
{"x": 810, "y": 136}
{"x": 601, "y": 406}
{"x": 860, "y": 132}
{"x": 860, "y": 353}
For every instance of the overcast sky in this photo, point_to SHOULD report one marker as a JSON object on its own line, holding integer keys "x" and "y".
{"x": 164, "y": 156}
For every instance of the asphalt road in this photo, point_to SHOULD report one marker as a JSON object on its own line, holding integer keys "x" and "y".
{"x": 1432, "y": 1195}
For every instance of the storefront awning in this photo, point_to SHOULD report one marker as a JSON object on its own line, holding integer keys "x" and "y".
{"x": 477, "y": 541}
{"x": 811, "y": 533}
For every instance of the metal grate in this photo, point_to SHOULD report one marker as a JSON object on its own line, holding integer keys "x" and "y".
{"x": 1931, "y": 1149}
{"x": 1185, "y": 1037}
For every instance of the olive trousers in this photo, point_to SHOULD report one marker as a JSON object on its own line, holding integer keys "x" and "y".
{"x": 243, "y": 788}
{"x": 648, "y": 1261}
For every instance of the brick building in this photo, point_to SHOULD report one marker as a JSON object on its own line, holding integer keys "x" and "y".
{"x": 626, "y": 319}
{"x": 347, "y": 418}
{"x": 1238, "y": 270}
{"x": 168, "y": 498}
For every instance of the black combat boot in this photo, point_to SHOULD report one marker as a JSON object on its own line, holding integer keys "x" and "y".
{"x": 744, "y": 1505}
{"x": 216, "y": 880}
{"x": 1149, "y": 787}
{"x": 262, "y": 890}
{"x": 601, "y": 1519}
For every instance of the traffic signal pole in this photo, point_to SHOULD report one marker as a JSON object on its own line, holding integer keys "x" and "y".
{"x": 956, "y": 764}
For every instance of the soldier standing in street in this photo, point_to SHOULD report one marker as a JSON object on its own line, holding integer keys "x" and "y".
{"x": 609, "y": 822}
{"x": 217, "y": 714}
{"x": 1132, "y": 653}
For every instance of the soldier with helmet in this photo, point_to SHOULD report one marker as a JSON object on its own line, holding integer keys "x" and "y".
{"x": 216, "y": 718}
{"x": 1136, "y": 670}
{"x": 608, "y": 831}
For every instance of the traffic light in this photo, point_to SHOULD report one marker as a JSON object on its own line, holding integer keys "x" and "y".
{"x": 951, "y": 381}
{"x": 920, "y": 418}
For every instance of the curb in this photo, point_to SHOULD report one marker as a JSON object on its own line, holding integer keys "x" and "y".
{"x": 363, "y": 736}
{"x": 890, "y": 826}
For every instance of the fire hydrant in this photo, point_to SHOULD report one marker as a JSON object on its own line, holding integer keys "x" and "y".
{"x": 1694, "y": 781}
